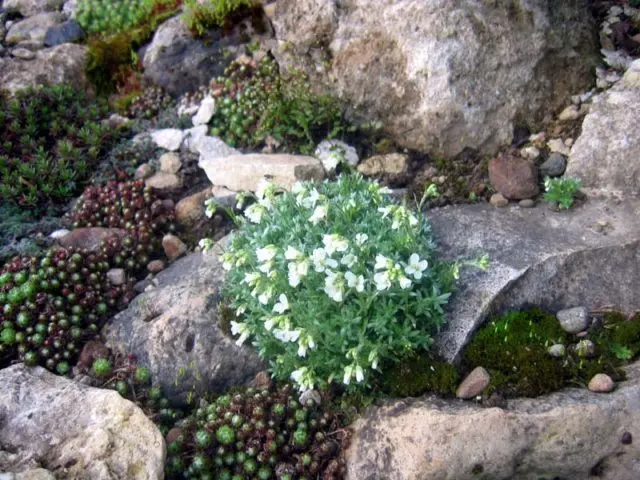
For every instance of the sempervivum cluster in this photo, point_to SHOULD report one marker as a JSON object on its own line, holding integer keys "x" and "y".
{"x": 127, "y": 205}
{"x": 149, "y": 103}
{"x": 257, "y": 435}
{"x": 242, "y": 96}
{"x": 50, "y": 305}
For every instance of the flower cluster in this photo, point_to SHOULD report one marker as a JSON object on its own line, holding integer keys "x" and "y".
{"x": 330, "y": 279}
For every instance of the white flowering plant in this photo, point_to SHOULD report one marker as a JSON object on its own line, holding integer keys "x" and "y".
{"x": 331, "y": 280}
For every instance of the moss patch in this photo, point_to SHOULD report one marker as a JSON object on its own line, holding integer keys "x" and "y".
{"x": 418, "y": 375}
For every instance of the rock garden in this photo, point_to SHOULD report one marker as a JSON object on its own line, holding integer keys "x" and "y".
{"x": 311, "y": 239}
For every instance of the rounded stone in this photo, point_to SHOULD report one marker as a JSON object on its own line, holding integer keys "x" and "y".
{"x": 558, "y": 350}
{"x": 474, "y": 383}
{"x": 554, "y": 166}
{"x": 527, "y": 203}
{"x": 573, "y": 320}
{"x": 155, "y": 266}
{"x": 601, "y": 383}
{"x": 498, "y": 200}
{"x": 514, "y": 177}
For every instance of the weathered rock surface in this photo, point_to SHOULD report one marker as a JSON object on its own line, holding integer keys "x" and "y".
{"x": 28, "y": 8}
{"x": 554, "y": 260}
{"x": 605, "y": 155}
{"x": 66, "y": 32}
{"x": 173, "y": 328}
{"x": 191, "y": 212}
{"x": 88, "y": 238}
{"x": 443, "y": 75}
{"x": 392, "y": 167}
{"x": 179, "y": 63}
{"x": 243, "y": 172}
{"x": 562, "y": 435}
{"x": 62, "y": 64}
{"x": 33, "y": 28}
{"x": 74, "y": 431}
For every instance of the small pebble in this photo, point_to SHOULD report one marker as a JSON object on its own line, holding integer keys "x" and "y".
{"x": 527, "y": 203}
{"x": 173, "y": 247}
{"x": 143, "y": 172}
{"x": 558, "y": 350}
{"x": 627, "y": 438}
{"x": 498, "y": 200}
{"x": 601, "y": 383}
{"x": 155, "y": 266}
{"x": 117, "y": 276}
{"x": 574, "y": 320}
{"x": 572, "y": 112}
{"x": 474, "y": 383}
{"x": 585, "y": 349}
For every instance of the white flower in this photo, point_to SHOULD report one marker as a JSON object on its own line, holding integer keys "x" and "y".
{"x": 416, "y": 266}
{"x": 297, "y": 375}
{"x": 354, "y": 281}
{"x": 321, "y": 261}
{"x": 361, "y": 238}
{"x": 334, "y": 243}
{"x": 359, "y": 374}
{"x": 266, "y": 267}
{"x": 348, "y": 372}
{"x": 405, "y": 283}
{"x": 297, "y": 270}
{"x": 331, "y": 161}
{"x": 227, "y": 260}
{"x": 373, "y": 358}
{"x": 241, "y": 329}
{"x": 385, "y": 191}
{"x": 349, "y": 259}
{"x": 240, "y": 310}
{"x": 382, "y": 262}
{"x": 282, "y": 305}
{"x": 334, "y": 286}
{"x": 265, "y": 296}
{"x": 287, "y": 335}
{"x": 267, "y": 253}
{"x": 251, "y": 278}
{"x": 413, "y": 221}
{"x": 382, "y": 280}
{"x": 255, "y": 212}
{"x": 297, "y": 188}
{"x": 319, "y": 213}
{"x": 292, "y": 254}
{"x": 385, "y": 211}
{"x": 270, "y": 322}
{"x": 263, "y": 187}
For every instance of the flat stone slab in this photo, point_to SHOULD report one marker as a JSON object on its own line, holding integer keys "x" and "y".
{"x": 587, "y": 256}
{"x": 562, "y": 435}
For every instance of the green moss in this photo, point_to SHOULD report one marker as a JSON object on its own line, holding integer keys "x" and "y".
{"x": 417, "y": 375}
{"x": 513, "y": 348}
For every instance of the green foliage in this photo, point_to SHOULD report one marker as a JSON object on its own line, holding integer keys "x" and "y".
{"x": 330, "y": 280}
{"x": 634, "y": 3}
{"x": 561, "y": 190}
{"x": 257, "y": 434}
{"x": 202, "y": 15}
{"x": 50, "y": 305}
{"x": 102, "y": 367}
{"x": 513, "y": 348}
{"x": 111, "y": 16}
{"x": 417, "y": 375}
{"x": 258, "y": 106}
{"x": 51, "y": 139}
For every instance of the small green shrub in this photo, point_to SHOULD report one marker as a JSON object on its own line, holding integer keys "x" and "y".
{"x": 330, "y": 280}
{"x": 111, "y": 16}
{"x": 256, "y": 104}
{"x": 202, "y": 15}
{"x": 51, "y": 140}
{"x": 561, "y": 190}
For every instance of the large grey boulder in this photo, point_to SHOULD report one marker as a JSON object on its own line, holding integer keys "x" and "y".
{"x": 33, "y": 28}
{"x": 28, "y": 8}
{"x": 588, "y": 256}
{"x": 73, "y": 431}
{"x": 180, "y": 63}
{"x": 62, "y": 64}
{"x": 605, "y": 155}
{"x": 569, "y": 434}
{"x": 443, "y": 75}
{"x": 173, "y": 329}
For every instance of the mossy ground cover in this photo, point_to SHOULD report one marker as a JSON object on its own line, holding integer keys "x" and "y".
{"x": 513, "y": 348}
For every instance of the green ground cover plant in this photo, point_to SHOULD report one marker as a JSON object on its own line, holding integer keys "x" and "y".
{"x": 51, "y": 140}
